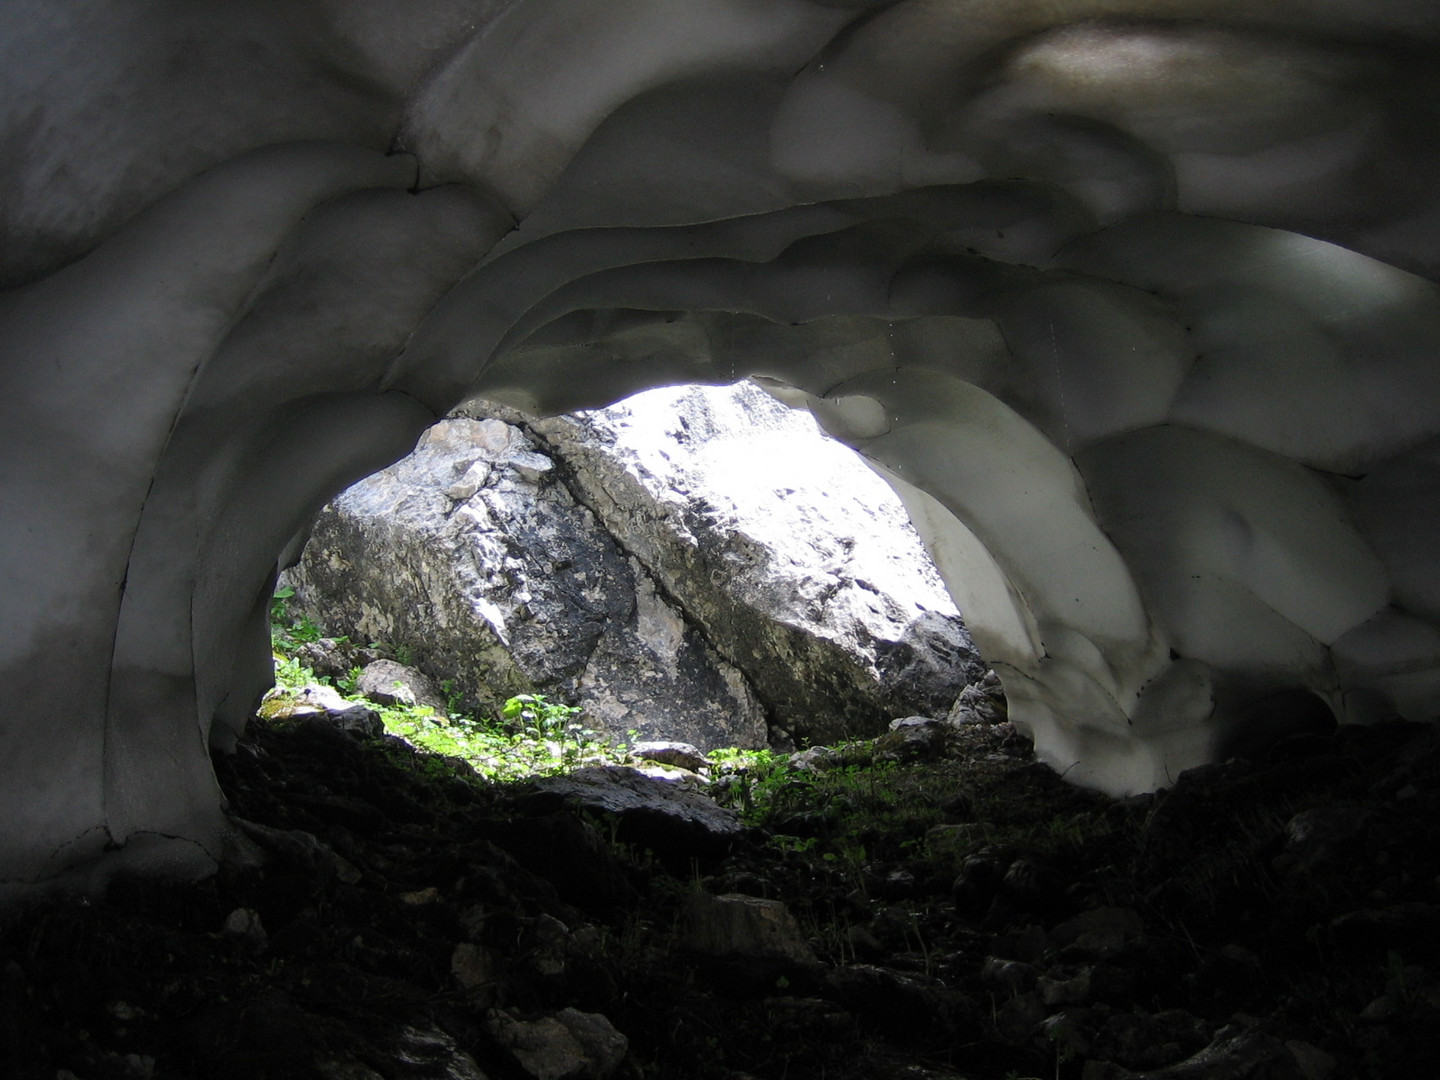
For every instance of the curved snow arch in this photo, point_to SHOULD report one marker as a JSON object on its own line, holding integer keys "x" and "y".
{"x": 1164, "y": 250}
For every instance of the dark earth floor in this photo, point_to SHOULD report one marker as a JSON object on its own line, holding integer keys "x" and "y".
{"x": 966, "y": 914}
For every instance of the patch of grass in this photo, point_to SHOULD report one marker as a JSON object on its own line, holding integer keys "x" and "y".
{"x": 532, "y": 736}
{"x": 288, "y": 631}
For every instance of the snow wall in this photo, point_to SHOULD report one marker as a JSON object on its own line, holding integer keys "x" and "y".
{"x": 1133, "y": 301}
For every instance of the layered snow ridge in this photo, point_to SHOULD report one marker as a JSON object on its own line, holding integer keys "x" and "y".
{"x": 1132, "y": 301}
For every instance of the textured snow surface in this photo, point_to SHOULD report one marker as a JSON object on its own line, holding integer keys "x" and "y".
{"x": 1133, "y": 300}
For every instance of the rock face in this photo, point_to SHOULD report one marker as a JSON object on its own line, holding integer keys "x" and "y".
{"x": 627, "y": 560}
{"x": 803, "y": 570}
{"x": 1139, "y": 315}
{"x": 472, "y": 555}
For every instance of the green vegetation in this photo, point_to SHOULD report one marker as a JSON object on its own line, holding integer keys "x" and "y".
{"x": 531, "y": 737}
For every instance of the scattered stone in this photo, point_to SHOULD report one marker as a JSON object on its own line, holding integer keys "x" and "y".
{"x": 1236, "y": 1053}
{"x": 549, "y": 941}
{"x": 901, "y": 1004}
{"x": 315, "y": 701}
{"x": 684, "y": 778}
{"x": 816, "y": 759}
{"x": 742, "y": 927}
{"x": 1150, "y": 1041}
{"x": 1067, "y": 1033}
{"x": 978, "y": 884}
{"x": 913, "y": 738}
{"x": 357, "y": 720}
{"x": 807, "y": 1017}
{"x": 296, "y": 848}
{"x": 1029, "y": 882}
{"x": 335, "y": 658}
{"x": 677, "y": 755}
{"x": 392, "y": 683}
{"x": 1322, "y": 836}
{"x": 345, "y": 1070}
{"x": 1013, "y": 975}
{"x": 898, "y": 883}
{"x": 1409, "y": 926}
{"x": 1059, "y": 987}
{"x": 662, "y": 816}
{"x": 244, "y": 925}
{"x": 472, "y": 966}
{"x": 429, "y": 1051}
{"x": 570, "y": 1045}
{"x": 981, "y": 702}
{"x": 1313, "y": 1063}
{"x": 1101, "y": 933}
{"x": 1382, "y": 1008}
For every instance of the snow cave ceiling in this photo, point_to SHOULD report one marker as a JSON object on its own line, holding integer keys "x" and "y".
{"x": 1132, "y": 300}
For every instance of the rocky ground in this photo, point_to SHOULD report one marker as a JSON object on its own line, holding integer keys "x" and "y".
{"x": 932, "y": 905}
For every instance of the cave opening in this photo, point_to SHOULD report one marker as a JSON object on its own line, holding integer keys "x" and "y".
{"x": 695, "y": 563}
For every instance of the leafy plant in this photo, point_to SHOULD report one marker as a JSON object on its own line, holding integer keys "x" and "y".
{"x": 288, "y": 631}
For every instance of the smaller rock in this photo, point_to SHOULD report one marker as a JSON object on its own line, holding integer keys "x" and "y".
{"x": 978, "y": 883}
{"x": 734, "y": 926}
{"x": 471, "y": 479}
{"x": 807, "y": 1018}
{"x": 678, "y": 755}
{"x": 900, "y": 1003}
{"x": 913, "y": 738}
{"x": 357, "y": 720}
{"x": 1018, "y": 1017}
{"x": 1380, "y": 1009}
{"x": 298, "y": 849}
{"x": 530, "y": 465}
{"x": 1100, "y": 933}
{"x": 1236, "y": 1053}
{"x": 1141, "y": 1041}
{"x": 1013, "y": 975}
{"x": 1398, "y": 926}
{"x": 428, "y": 1051}
{"x": 244, "y": 924}
{"x": 1068, "y": 1033}
{"x": 816, "y": 759}
{"x": 1313, "y": 1063}
{"x": 392, "y": 683}
{"x": 898, "y": 883}
{"x": 471, "y": 966}
{"x": 314, "y": 699}
{"x": 1059, "y": 987}
{"x": 982, "y": 702}
{"x": 549, "y": 942}
{"x": 570, "y": 1045}
{"x": 662, "y": 816}
{"x": 345, "y": 1070}
{"x": 335, "y": 658}
{"x": 1028, "y": 882}
{"x": 684, "y": 778}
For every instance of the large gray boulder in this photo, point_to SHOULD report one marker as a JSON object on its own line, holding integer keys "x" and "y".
{"x": 472, "y": 557}
{"x": 626, "y": 560}
{"x": 799, "y": 563}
